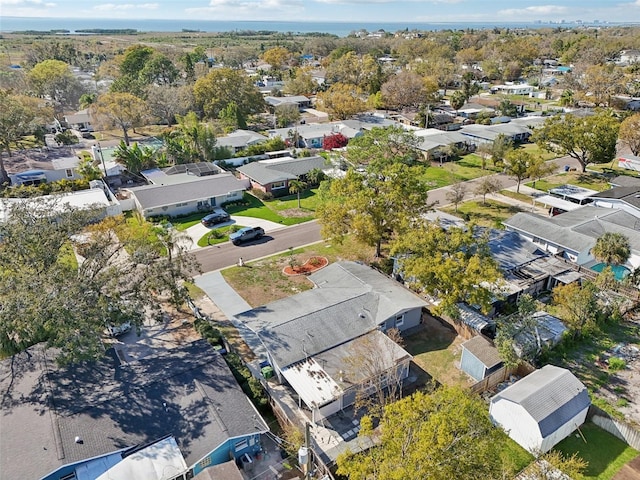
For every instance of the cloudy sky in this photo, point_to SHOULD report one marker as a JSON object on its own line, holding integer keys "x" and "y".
{"x": 413, "y": 11}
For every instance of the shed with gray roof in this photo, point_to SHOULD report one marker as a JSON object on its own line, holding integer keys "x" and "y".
{"x": 480, "y": 357}
{"x": 541, "y": 409}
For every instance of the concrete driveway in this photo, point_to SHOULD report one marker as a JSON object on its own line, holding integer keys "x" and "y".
{"x": 198, "y": 231}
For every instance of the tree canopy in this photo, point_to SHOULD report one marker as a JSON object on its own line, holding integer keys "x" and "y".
{"x": 612, "y": 248}
{"x": 373, "y": 205}
{"x": 63, "y": 280}
{"x": 222, "y": 86}
{"x": 630, "y": 133}
{"x": 589, "y": 140}
{"x": 442, "y": 435}
{"x": 452, "y": 265}
{"x": 122, "y": 110}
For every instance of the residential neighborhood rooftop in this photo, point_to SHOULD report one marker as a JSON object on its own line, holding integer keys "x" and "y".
{"x": 188, "y": 392}
{"x": 281, "y": 169}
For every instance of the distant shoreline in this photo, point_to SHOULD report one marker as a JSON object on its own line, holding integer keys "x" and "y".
{"x": 76, "y": 26}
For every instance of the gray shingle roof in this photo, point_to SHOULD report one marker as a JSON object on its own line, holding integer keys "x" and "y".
{"x": 551, "y": 395}
{"x": 351, "y": 300}
{"x": 200, "y": 188}
{"x": 265, "y": 172}
{"x": 189, "y": 393}
{"x": 510, "y": 250}
{"x": 625, "y": 181}
{"x": 483, "y": 350}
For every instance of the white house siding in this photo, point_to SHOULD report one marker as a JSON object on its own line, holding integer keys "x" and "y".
{"x": 563, "y": 432}
{"x": 615, "y": 203}
{"x": 518, "y": 424}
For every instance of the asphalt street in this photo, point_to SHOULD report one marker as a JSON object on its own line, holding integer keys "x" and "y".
{"x": 227, "y": 254}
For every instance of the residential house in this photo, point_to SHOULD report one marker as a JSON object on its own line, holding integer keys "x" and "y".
{"x": 53, "y": 170}
{"x": 623, "y": 198}
{"x": 98, "y": 197}
{"x": 514, "y": 89}
{"x": 185, "y": 189}
{"x": 495, "y": 103}
{"x": 299, "y": 101}
{"x": 275, "y": 175}
{"x": 240, "y": 139}
{"x": 517, "y": 132}
{"x": 308, "y": 337}
{"x": 628, "y": 57}
{"x": 480, "y": 358}
{"x": 82, "y": 420}
{"x": 80, "y": 120}
{"x": 541, "y": 409}
{"x": 625, "y": 181}
{"x": 435, "y": 143}
{"x": 572, "y": 235}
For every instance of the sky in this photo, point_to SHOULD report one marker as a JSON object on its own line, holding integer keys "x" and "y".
{"x": 414, "y": 11}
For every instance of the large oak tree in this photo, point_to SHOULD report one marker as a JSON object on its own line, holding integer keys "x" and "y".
{"x": 588, "y": 140}
{"x": 64, "y": 278}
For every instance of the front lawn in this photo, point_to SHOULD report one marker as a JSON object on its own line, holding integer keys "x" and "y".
{"x": 210, "y": 238}
{"x": 492, "y": 214}
{"x": 584, "y": 180}
{"x": 308, "y": 202}
{"x": 254, "y": 207}
{"x": 605, "y": 453}
{"x": 467, "y": 168}
{"x": 262, "y": 281}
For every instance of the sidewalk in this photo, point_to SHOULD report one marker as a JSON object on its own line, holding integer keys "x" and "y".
{"x": 231, "y": 304}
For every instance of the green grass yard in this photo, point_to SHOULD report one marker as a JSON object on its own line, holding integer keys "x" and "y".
{"x": 207, "y": 239}
{"x": 492, "y": 214}
{"x": 467, "y": 168}
{"x": 605, "y": 453}
{"x": 584, "y": 180}
{"x": 254, "y": 207}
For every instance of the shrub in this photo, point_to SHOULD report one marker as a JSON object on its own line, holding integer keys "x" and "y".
{"x": 216, "y": 234}
{"x": 622, "y": 402}
{"x": 208, "y": 331}
{"x": 256, "y": 192}
{"x": 616, "y": 364}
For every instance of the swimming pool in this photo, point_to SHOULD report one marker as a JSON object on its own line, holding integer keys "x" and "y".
{"x": 618, "y": 270}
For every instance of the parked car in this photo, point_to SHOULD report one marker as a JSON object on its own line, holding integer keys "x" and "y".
{"x": 217, "y": 216}
{"x": 246, "y": 234}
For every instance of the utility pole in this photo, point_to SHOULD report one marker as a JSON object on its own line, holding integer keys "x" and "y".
{"x": 307, "y": 442}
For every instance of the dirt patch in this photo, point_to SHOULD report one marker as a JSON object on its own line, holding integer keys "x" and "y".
{"x": 310, "y": 266}
{"x": 295, "y": 213}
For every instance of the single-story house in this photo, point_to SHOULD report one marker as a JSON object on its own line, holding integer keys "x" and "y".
{"x": 61, "y": 168}
{"x": 623, "y": 198}
{"x": 312, "y": 135}
{"x": 182, "y": 191}
{"x": 514, "y": 89}
{"x": 573, "y": 234}
{"x": 625, "y": 180}
{"x": 98, "y": 196}
{"x": 240, "y": 139}
{"x": 478, "y": 134}
{"x": 274, "y": 175}
{"x": 299, "y": 101}
{"x": 81, "y": 420}
{"x": 573, "y": 193}
{"x": 628, "y": 57}
{"x": 541, "y": 409}
{"x": 308, "y": 337}
{"x": 480, "y": 358}
{"x": 435, "y": 141}
{"x": 80, "y": 119}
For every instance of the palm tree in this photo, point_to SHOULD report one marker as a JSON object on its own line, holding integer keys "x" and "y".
{"x": 457, "y": 100}
{"x": 296, "y": 187}
{"x": 612, "y": 248}
{"x": 315, "y": 176}
{"x": 134, "y": 158}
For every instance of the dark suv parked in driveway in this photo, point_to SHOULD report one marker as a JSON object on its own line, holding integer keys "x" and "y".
{"x": 246, "y": 234}
{"x": 217, "y": 216}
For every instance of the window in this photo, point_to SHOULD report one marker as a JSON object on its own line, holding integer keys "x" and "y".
{"x": 400, "y": 320}
{"x": 276, "y": 185}
{"x": 205, "y": 462}
{"x": 241, "y": 445}
{"x": 69, "y": 172}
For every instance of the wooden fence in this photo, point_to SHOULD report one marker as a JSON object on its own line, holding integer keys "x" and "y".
{"x": 500, "y": 376}
{"x": 625, "y": 432}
